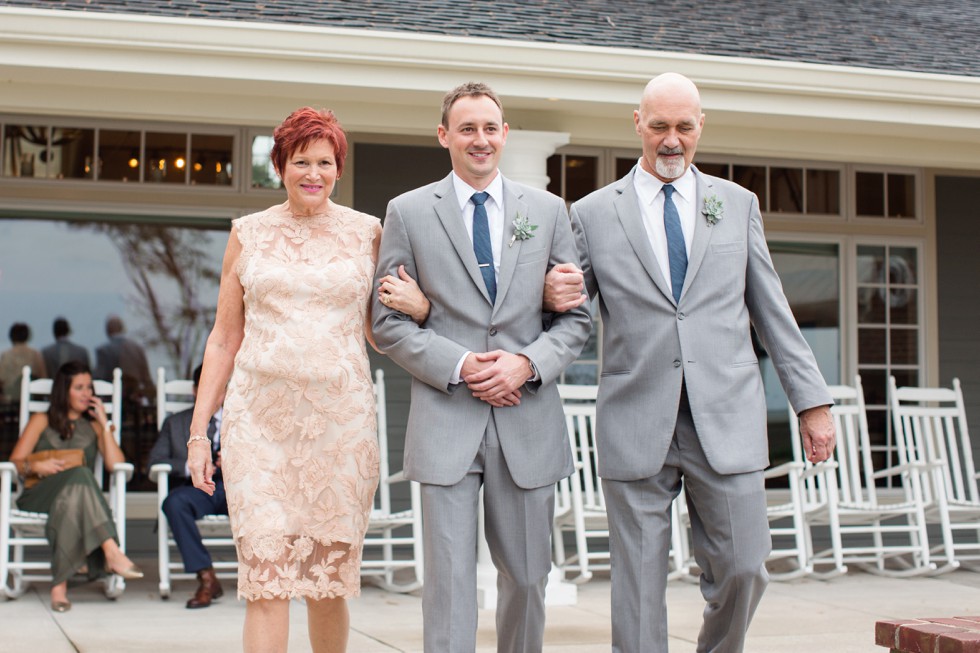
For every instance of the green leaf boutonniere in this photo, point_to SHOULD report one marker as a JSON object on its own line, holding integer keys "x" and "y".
{"x": 523, "y": 230}
{"x": 713, "y": 209}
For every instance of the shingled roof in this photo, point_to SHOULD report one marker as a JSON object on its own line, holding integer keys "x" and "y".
{"x": 909, "y": 35}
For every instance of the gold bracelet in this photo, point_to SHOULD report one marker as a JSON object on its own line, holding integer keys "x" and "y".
{"x": 198, "y": 438}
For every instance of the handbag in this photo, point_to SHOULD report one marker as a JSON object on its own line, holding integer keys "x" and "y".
{"x": 70, "y": 457}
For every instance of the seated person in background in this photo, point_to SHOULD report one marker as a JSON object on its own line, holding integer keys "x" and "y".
{"x": 13, "y": 360}
{"x": 62, "y": 349}
{"x": 80, "y": 527}
{"x": 185, "y": 504}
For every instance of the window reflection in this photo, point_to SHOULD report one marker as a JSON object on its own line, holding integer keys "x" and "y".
{"x": 786, "y": 190}
{"x": 901, "y": 196}
{"x": 754, "y": 179}
{"x": 161, "y": 279}
{"x": 714, "y": 169}
{"x": 572, "y": 176}
{"x": 810, "y": 274}
{"x": 624, "y": 165}
{"x": 888, "y": 333}
{"x": 263, "y": 172}
{"x": 166, "y": 158}
{"x": 211, "y": 158}
{"x": 823, "y": 192}
{"x": 880, "y": 195}
{"x": 25, "y": 151}
{"x": 72, "y": 153}
{"x": 869, "y": 190}
{"x": 119, "y": 155}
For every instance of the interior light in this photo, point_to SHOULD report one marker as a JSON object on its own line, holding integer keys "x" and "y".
{"x": 198, "y": 166}
{"x": 217, "y": 166}
{"x": 180, "y": 163}
{"x": 162, "y": 164}
{"x": 134, "y": 162}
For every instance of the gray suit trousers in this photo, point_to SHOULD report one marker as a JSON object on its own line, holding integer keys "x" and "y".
{"x": 518, "y": 531}
{"x": 730, "y": 537}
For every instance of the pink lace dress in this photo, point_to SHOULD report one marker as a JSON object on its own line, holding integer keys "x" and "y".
{"x": 299, "y": 437}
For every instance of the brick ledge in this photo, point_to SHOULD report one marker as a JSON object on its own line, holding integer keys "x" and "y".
{"x": 930, "y": 635}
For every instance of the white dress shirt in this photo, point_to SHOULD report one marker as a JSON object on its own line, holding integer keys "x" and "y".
{"x": 649, "y": 190}
{"x": 495, "y": 218}
{"x": 495, "y": 213}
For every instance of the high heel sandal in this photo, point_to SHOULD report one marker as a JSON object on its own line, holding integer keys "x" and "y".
{"x": 133, "y": 572}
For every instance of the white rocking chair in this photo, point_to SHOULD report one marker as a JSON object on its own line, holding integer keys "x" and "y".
{"x": 580, "y": 506}
{"x": 930, "y": 429}
{"x": 882, "y": 535}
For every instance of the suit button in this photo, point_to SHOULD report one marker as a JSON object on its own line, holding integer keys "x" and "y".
{"x": 493, "y": 331}
{"x": 677, "y": 363}
{"x": 680, "y": 316}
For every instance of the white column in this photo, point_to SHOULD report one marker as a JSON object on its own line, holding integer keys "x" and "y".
{"x": 525, "y": 157}
{"x": 525, "y": 160}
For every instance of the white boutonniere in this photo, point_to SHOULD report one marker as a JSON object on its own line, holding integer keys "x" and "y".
{"x": 523, "y": 230}
{"x": 714, "y": 209}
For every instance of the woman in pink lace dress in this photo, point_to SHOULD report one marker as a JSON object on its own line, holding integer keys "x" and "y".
{"x": 299, "y": 439}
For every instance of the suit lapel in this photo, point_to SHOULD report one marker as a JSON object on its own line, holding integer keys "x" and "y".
{"x": 628, "y": 210}
{"x": 447, "y": 209}
{"x": 702, "y": 232}
{"x": 513, "y": 205}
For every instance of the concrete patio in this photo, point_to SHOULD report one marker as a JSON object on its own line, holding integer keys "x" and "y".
{"x": 805, "y": 616}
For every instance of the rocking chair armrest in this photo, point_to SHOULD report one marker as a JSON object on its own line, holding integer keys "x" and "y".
{"x": 820, "y": 468}
{"x": 783, "y": 470}
{"x": 125, "y": 470}
{"x": 8, "y": 473}
{"x": 160, "y": 470}
{"x": 397, "y": 477}
{"x": 903, "y": 468}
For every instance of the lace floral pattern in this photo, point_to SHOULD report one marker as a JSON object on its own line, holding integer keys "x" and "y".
{"x": 299, "y": 437}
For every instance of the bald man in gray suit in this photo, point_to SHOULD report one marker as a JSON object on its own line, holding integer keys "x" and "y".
{"x": 485, "y": 410}
{"x": 680, "y": 264}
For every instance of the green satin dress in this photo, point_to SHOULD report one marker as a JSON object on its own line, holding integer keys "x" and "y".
{"x": 79, "y": 520}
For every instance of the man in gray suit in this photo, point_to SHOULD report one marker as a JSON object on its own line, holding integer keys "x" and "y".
{"x": 485, "y": 410}
{"x": 62, "y": 350}
{"x": 680, "y": 263}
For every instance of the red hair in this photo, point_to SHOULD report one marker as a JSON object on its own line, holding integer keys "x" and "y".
{"x": 304, "y": 126}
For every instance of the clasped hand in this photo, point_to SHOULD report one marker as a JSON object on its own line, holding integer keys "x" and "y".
{"x": 496, "y": 376}
{"x": 563, "y": 287}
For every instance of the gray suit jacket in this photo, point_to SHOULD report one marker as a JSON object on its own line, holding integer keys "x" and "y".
{"x": 64, "y": 350}
{"x": 650, "y": 344}
{"x": 424, "y": 230}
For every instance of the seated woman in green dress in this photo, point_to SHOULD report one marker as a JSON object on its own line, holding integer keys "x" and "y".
{"x": 80, "y": 527}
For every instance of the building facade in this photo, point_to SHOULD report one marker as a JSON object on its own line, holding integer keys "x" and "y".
{"x": 132, "y": 134}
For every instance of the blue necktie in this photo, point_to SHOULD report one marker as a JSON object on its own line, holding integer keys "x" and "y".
{"x": 676, "y": 249}
{"x": 481, "y": 244}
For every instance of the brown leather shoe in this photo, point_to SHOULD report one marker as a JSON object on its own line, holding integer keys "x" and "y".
{"x": 208, "y": 589}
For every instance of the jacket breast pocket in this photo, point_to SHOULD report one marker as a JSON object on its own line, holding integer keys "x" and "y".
{"x": 728, "y": 248}
{"x": 530, "y": 258}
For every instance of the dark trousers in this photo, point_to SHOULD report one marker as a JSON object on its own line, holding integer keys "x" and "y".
{"x": 183, "y": 507}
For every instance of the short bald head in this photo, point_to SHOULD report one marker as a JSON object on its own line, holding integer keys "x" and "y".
{"x": 669, "y": 122}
